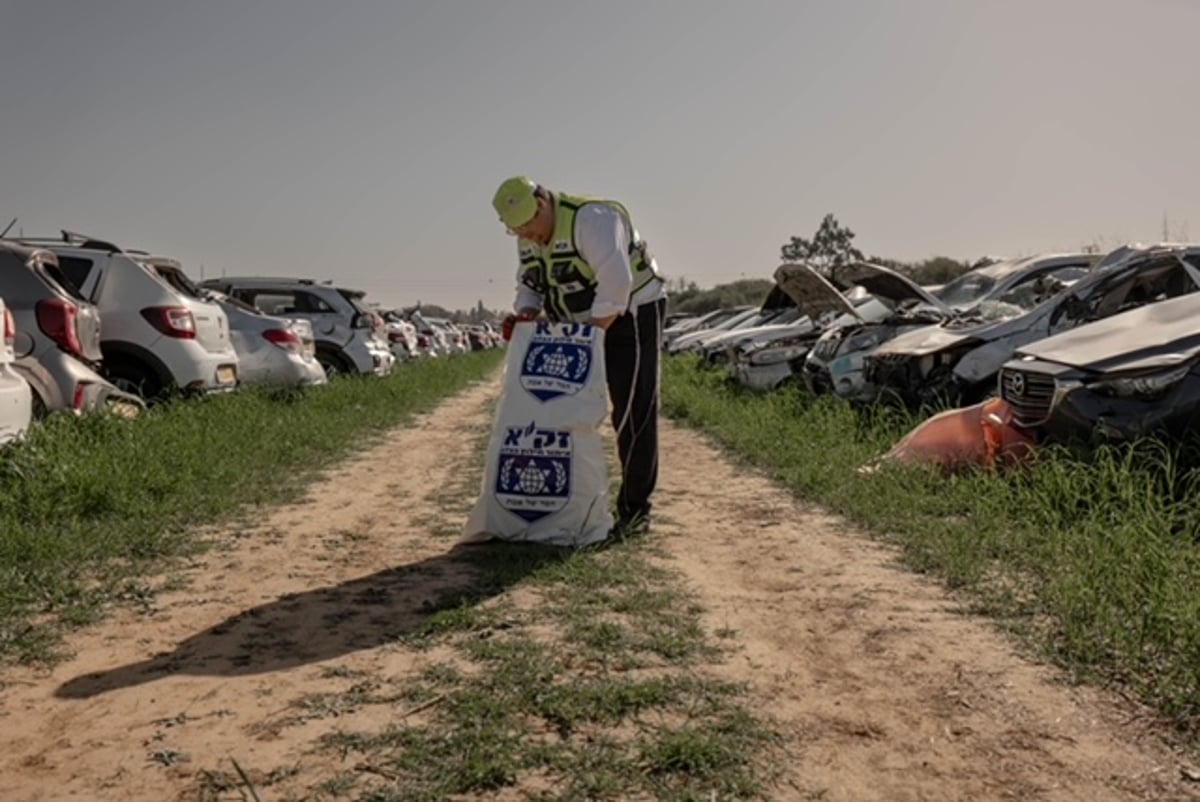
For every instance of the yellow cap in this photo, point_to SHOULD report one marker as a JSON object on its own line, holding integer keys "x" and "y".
{"x": 515, "y": 201}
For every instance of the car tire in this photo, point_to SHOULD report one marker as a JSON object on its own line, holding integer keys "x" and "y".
{"x": 37, "y": 406}
{"x": 332, "y": 362}
{"x": 134, "y": 378}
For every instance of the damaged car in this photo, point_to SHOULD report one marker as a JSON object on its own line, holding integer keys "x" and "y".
{"x": 894, "y": 305}
{"x": 776, "y": 309}
{"x": 956, "y": 361}
{"x": 1130, "y": 375}
{"x": 766, "y": 362}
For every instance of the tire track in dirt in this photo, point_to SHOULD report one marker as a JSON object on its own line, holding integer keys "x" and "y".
{"x": 884, "y": 687}
{"x": 288, "y": 631}
{"x": 304, "y": 602}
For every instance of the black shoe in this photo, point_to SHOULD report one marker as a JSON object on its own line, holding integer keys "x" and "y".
{"x": 630, "y": 526}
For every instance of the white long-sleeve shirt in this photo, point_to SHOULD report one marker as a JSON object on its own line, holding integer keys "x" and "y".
{"x": 602, "y": 236}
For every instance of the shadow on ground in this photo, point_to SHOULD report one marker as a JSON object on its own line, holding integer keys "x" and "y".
{"x": 325, "y": 623}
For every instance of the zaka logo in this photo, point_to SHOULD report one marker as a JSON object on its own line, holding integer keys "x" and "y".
{"x": 533, "y": 476}
{"x": 559, "y": 360}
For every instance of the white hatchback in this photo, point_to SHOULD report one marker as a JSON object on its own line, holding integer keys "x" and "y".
{"x": 158, "y": 334}
{"x": 16, "y": 400}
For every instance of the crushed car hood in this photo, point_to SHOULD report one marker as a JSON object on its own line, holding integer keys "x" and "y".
{"x": 887, "y": 285}
{"x": 925, "y": 340}
{"x": 1157, "y": 335}
{"x": 811, "y": 291}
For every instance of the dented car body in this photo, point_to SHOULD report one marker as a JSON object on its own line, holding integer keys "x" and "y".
{"x": 958, "y": 360}
{"x": 835, "y": 363}
{"x": 767, "y": 362}
{"x": 1115, "y": 380}
{"x": 896, "y": 304}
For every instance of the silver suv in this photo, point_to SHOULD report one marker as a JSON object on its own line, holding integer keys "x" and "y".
{"x": 57, "y": 342}
{"x": 350, "y": 337}
{"x": 158, "y": 336}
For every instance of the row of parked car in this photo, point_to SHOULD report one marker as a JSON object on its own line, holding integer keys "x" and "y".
{"x": 90, "y": 326}
{"x": 1079, "y": 345}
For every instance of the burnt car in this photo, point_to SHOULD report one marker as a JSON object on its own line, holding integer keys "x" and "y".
{"x": 957, "y": 361}
{"x": 1115, "y": 380}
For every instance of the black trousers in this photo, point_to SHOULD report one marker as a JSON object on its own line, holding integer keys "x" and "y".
{"x": 631, "y": 349}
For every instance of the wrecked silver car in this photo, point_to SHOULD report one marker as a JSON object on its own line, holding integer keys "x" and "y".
{"x": 835, "y": 363}
{"x": 767, "y": 361}
{"x": 894, "y": 305}
{"x": 1129, "y": 375}
{"x": 957, "y": 361}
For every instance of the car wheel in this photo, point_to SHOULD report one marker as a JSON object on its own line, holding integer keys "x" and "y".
{"x": 37, "y": 406}
{"x": 332, "y": 363}
{"x": 134, "y": 379}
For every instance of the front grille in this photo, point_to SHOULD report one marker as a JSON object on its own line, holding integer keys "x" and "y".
{"x": 1029, "y": 394}
{"x": 827, "y": 348}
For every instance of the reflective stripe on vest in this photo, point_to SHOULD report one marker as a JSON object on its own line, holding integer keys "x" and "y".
{"x": 559, "y": 273}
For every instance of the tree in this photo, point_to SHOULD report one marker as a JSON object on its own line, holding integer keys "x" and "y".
{"x": 938, "y": 270}
{"x": 829, "y": 248}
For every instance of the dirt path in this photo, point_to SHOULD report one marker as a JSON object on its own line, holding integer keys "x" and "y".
{"x": 885, "y": 691}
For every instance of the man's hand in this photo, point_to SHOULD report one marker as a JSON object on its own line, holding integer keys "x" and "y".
{"x": 506, "y": 325}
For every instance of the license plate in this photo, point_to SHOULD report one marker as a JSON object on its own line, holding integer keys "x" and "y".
{"x": 227, "y": 374}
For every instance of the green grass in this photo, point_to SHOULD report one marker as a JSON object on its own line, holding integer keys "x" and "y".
{"x": 585, "y": 689}
{"x": 1095, "y": 561}
{"x": 88, "y": 506}
{"x": 590, "y": 682}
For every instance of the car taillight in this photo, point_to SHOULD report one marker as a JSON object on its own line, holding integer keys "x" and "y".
{"x": 285, "y": 339}
{"x": 10, "y": 328}
{"x": 56, "y": 318}
{"x": 173, "y": 321}
{"x": 80, "y": 392}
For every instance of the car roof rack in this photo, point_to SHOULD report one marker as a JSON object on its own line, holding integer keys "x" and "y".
{"x": 76, "y": 240}
{"x": 262, "y": 279}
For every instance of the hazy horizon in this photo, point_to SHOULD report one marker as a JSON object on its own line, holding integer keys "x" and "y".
{"x": 362, "y": 142}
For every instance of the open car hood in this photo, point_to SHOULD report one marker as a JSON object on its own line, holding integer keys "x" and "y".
{"x": 1156, "y": 335}
{"x": 811, "y": 291}
{"x": 890, "y": 287}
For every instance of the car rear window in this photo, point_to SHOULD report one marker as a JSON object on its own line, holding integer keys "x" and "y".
{"x": 51, "y": 272}
{"x": 177, "y": 279}
{"x": 75, "y": 270}
{"x": 356, "y": 300}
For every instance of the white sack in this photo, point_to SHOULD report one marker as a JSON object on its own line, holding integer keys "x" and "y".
{"x": 546, "y": 478}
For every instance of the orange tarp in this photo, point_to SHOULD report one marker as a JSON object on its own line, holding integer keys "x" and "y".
{"x": 982, "y": 435}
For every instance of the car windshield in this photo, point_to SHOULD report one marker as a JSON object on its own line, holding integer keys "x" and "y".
{"x": 989, "y": 311}
{"x": 966, "y": 290}
{"x": 873, "y": 311}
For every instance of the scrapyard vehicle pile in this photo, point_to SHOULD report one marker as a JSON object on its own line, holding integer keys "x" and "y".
{"x": 92, "y": 327}
{"x": 1067, "y": 348}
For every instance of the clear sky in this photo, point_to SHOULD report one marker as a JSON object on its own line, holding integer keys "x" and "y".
{"x": 361, "y": 141}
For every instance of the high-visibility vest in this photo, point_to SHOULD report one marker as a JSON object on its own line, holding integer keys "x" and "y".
{"x": 559, "y": 274}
